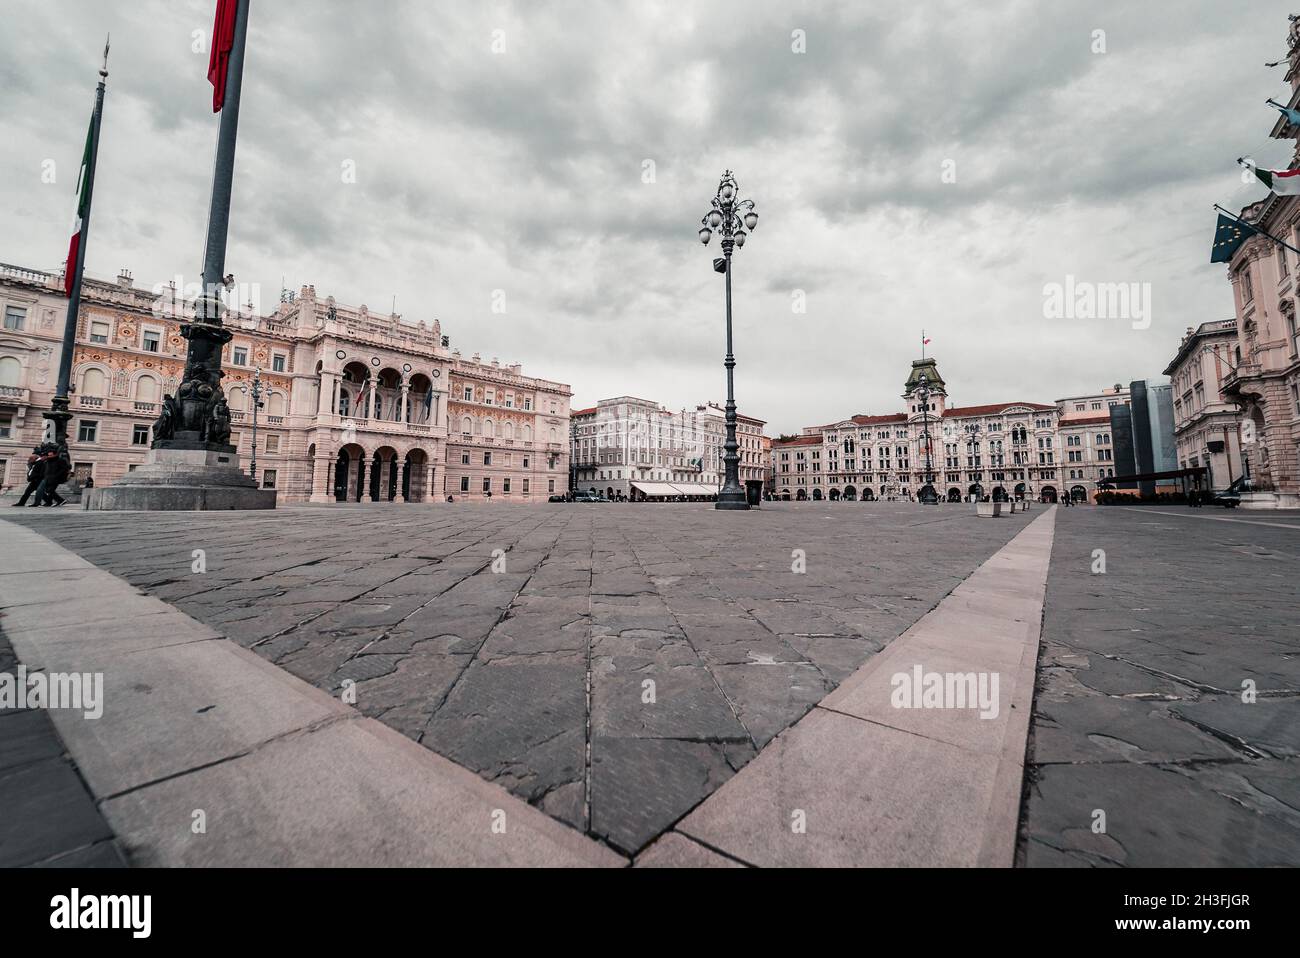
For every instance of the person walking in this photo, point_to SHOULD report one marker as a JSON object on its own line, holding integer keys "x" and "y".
{"x": 35, "y": 473}
{"x": 57, "y": 470}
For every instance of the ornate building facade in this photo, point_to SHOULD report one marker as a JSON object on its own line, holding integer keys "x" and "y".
{"x": 1264, "y": 381}
{"x": 1207, "y": 425}
{"x": 627, "y": 446}
{"x": 355, "y": 406}
{"x": 1002, "y": 450}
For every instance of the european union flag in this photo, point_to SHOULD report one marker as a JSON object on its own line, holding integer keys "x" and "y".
{"x": 1228, "y": 237}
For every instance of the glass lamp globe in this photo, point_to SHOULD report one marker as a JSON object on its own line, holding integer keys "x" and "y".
{"x": 715, "y": 219}
{"x": 728, "y": 191}
{"x": 740, "y": 237}
{"x": 751, "y": 220}
{"x": 705, "y": 235}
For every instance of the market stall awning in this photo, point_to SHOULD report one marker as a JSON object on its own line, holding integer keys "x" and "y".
{"x": 656, "y": 489}
{"x": 696, "y": 488}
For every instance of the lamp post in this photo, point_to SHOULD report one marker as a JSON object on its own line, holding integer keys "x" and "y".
{"x": 927, "y": 491}
{"x": 731, "y": 217}
{"x": 973, "y": 437}
{"x": 256, "y": 394}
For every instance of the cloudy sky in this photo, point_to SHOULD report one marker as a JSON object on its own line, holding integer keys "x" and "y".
{"x": 563, "y": 153}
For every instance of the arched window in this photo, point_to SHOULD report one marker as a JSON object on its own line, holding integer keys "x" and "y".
{"x": 11, "y": 371}
{"x": 275, "y": 404}
{"x": 508, "y": 430}
{"x": 237, "y": 398}
{"x": 554, "y": 436}
{"x": 93, "y": 382}
{"x": 147, "y": 389}
{"x": 528, "y": 433}
{"x": 488, "y": 429}
{"x": 466, "y": 426}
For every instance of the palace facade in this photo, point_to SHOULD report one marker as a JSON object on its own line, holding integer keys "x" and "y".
{"x": 1002, "y": 450}
{"x": 1263, "y": 378}
{"x": 355, "y": 406}
{"x": 1207, "y": 424}
{"x": 628, "y": 446}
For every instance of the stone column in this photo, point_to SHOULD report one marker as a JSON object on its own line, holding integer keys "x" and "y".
{"x": 322, "y": 483}
{"x": 324, "y": 394}
{"x": 334, "y": 393}
{"x": 371, "y": 385}
{"x": 431, "y": 490}
{"x": 403, "y": 401}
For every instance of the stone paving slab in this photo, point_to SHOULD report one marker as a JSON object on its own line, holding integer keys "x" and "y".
{"x": 278, "y": 772}
{"x": 675, "y": 850}
{"x": 1139, "y": 713}
{"x": 49, "y": 819}
{"x": 535, "y": 676}
{"x": 861, "y": 782}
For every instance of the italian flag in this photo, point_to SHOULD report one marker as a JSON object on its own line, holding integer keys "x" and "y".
{"x": 1281, "y": 182}
{"x": 78, "y": 224}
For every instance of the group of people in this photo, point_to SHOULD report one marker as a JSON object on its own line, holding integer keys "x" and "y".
{"x": 47, "y": 469}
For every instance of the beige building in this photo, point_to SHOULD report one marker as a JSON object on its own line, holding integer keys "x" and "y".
{"x": 30, "y": 347}
{"x": 1207, "y": 424}
{"x": 1001, "y": 450}
{"x": 633, "y": 447}
{"x": 1264, "y": 381}
{"x": 1086, "y": 442}
{"x": 355, "y": 406}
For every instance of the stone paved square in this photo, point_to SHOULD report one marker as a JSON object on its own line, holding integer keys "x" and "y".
{"x": 614, "y": 665}
{"x": 535, "y": 676}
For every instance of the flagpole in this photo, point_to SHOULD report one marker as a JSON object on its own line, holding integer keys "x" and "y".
{"x": 1256, "y": 229}
{"x": 59, "y": 414}
{"x": 197, "y": 418}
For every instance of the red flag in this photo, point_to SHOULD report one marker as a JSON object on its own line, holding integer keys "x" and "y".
{"x": 223, "y": 39}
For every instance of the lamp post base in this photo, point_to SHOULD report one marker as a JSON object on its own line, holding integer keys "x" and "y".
{"x": 182, "y": 480}
{"x": 734, "y": 499}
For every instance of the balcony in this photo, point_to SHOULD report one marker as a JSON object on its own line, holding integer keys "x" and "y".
{"x": 1232, "y": 382}
{"x": 15, "y": 395}
{"x": 147, "y": 407}
{"x": 93, "y": 402}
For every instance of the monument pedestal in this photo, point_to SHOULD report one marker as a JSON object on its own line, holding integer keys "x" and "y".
{"x": 174, "y": 479}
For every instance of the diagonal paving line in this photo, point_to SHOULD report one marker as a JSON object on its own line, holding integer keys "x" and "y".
{"x": 857, "y": 782}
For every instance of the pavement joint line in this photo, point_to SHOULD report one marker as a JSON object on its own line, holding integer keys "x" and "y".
{"x": 307, "y": 729}
{"x": 1294, "y": 526}
{"x": 813, "y": 764}
{"x": 422, "y": 804}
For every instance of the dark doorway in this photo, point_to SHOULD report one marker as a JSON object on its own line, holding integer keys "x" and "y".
{"x": 341, "y": 477}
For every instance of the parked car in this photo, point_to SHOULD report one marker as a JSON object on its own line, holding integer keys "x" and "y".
{"x": 589, "y": 497}
{"x": 1230, "y": 498}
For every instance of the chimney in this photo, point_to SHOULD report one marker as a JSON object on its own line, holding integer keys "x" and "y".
{"x": 124, "y": 278}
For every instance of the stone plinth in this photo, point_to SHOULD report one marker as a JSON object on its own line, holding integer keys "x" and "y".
{"x": 180, "y": 480}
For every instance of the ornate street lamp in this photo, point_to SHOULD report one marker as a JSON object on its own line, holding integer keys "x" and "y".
{"x": 928, "y": 495}
{"x": 256, "y": 393}
{"x": 731, "y": 217}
